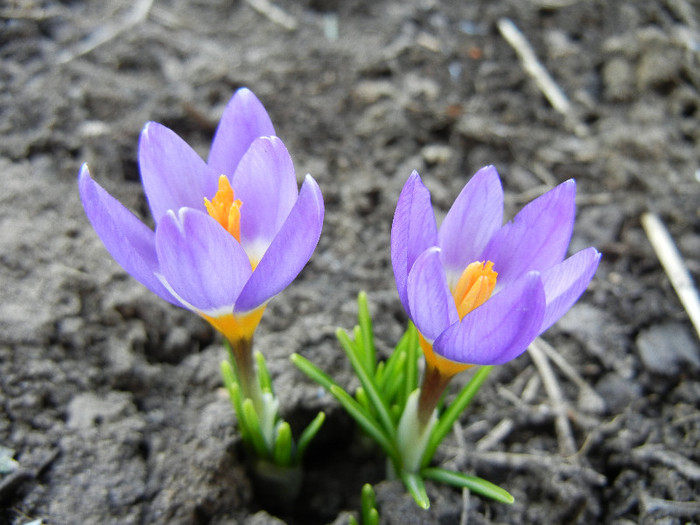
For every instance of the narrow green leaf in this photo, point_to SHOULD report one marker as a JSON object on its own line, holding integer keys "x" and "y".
{"x": 361, "y": 397}
{"x": 363, "y": 419}
{"x": 352, "y": 521}
{"x": 365, "y": 320}
{"x": 416, "y": 487}
{"x": 313, "y": 372}
{"x": 234, "y": 394}
{"x": 282, "y": 454}
{"x": 473, "y": 483}
{"x": 368, "y": 502}
{"x": 263, "y": 374}
{"x": 453, "y": 412}
{"x": 367, "y": 381}
{"x": 373, "y": 518}
{"x": 252, "y": 423}
{"x": 308, "y": 434}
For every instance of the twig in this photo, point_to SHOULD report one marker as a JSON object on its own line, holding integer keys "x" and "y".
{"x": 550, "y": 462}
{"x": 274, "y": 13}
{"x": 571, "y": 373}
{"x": 567, "y": 444}
{"x": 688, "y": 468}
{"x": 464, "y": 517}
{"x": 672, "y": 508}
{"x": 497, "y": 434}
{"x": 544, "y": 81}
{"x": 672, "y": 262}
{"x": 106, "y": 33}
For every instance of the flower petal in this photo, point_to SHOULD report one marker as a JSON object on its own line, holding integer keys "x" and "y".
{"x": 173, "y": 175}
{"x": 537, "y": 238}
{"x": 500, "y": 329}
{"x": 473, "y": 218}
{"x": 290, "y": 250}
{"x": 565, "y": 282}
{"x": 244, "y": 120}
{"x": 266, "y": 184}
{"x": 412, "y": 232}
{"x": 201, "y": 261}
{"x": 432, "y": 307}
{"x": 127, "y": 239}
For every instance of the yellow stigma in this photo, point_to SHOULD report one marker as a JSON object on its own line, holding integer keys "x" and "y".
{"x": 224, "y": 209}
{"x": 474, "y": 287}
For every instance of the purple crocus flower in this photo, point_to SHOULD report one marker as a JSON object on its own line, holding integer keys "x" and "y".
{"x": 478, "y": 291}
{"x": 230, "y": 233}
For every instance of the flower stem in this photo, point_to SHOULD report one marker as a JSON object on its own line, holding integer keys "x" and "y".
{"x": 247, "y": 377}
{"x": 434, "y": 384}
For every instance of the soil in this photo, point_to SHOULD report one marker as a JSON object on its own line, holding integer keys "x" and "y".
{"x": 112, "y": 400}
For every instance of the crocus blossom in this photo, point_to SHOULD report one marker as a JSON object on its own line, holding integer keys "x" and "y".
{"x": 230, "y": 233}
{"x": 478, "y": 291}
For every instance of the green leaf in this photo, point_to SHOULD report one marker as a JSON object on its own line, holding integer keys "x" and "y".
{"x": 367, "y": 381}
{"x": 365, "y": 420}
{"x": 352, "y": 521}
{"x": 372, "y": 518}
{"x": 263, "y": 374}
{"x": 473, "y": 483}
{"x": 362, "y": 398}
{"x": 365, "y": 321}
{"x": 282, "y": 454}
{"x": 416, "y": 487}
{"x": 313, "y": 372}
{"x": 368, "y": 502}
{"x": 453, "y": 412}
{"x": 308, "y": 434}
{"x": 252, "y": 424}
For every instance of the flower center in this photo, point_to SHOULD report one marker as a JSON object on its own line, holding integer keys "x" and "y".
{"x": 224, "y": 209}
{"x": 474, "y": 287}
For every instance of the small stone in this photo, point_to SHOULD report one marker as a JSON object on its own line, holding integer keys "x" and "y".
{"x": 436, "y": 154}
{"x": 665, "y": 349}
{"x": 618, "y": 80}
{"x": 617, "y": 392}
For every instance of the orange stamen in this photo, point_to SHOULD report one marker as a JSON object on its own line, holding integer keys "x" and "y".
{"x": 474, "y": 287}
{"x": 224, "y": 209}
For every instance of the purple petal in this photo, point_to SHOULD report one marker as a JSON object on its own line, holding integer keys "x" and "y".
{"x": 474, "y": 217}
{"x": 500, "y": 329}
{"x": 412, "y": 232}
{"x": 290, "y": 250}
{"x": 565, "y": 282}
{"x": 244, "y": 120}
{"x": 537, "y": 238}
{"x": 173, "y": 175}
{"x": 127, "y": 239}
{"x": 432, "y": 307}
{"x": 266, "y": 184}
{"x": 201, "y": 261}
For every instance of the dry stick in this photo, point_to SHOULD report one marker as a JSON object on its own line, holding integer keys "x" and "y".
{"x": 672, "y": 263}
{"x": 551, "y": 462}
{"x": 544, "y": 81}
{"x": 274, "y": 14}
{"x": 464, "y": 517}
{"x": 104, "y": 34}
{"x": 674, "y": 460}
{"x": 567, "y": 445}
{"x": 570, "y": 372}
{"x": 537, "y": 71}
{"x": 501, "y": 431}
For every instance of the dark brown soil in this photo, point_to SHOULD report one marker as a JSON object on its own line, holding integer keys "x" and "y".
{"x": 111, "y": 398}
